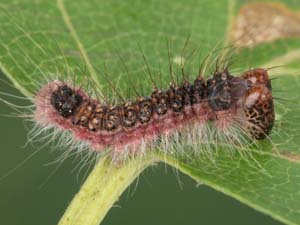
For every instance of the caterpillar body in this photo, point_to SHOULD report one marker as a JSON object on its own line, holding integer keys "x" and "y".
{"x": 223, "y": 100}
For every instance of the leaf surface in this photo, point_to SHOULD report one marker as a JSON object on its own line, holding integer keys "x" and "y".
{"x": 40, "y": 39}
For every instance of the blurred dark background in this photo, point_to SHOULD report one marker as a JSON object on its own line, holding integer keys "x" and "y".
{"x": 28, "y": 196}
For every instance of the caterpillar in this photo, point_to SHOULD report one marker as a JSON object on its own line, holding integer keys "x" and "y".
{"x": 224, "y": 100}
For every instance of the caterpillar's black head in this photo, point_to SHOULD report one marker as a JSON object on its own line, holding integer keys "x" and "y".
{"x": 65, "y": 101}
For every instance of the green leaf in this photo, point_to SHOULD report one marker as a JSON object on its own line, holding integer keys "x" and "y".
{"x": 40, "y": 39}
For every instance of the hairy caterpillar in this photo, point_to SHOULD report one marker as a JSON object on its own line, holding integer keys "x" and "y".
{"x": 245, "y": 102}
{"x": 233, "y": 106}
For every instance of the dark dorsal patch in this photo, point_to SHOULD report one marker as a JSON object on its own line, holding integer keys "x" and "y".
{"x": 129, "y": 114}
{"x": 218, "y": 91}
{"x": 187, "y": 93}
{"x": 175, "y": 94}
{"x": 160, "y": 101}
{"x": 145, "y": 110}
{"x": 83, "y": 114}
{"x": 66, "y": 101}
{"x": 199, "y": 90}
{"x": 112, "y": 119}
{"x": 96, "y": 122}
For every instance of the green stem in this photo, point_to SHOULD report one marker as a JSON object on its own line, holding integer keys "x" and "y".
{"x": 102, "y": 189}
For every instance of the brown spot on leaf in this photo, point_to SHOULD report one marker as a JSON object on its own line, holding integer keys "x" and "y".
{"x": 262, "y": 22}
